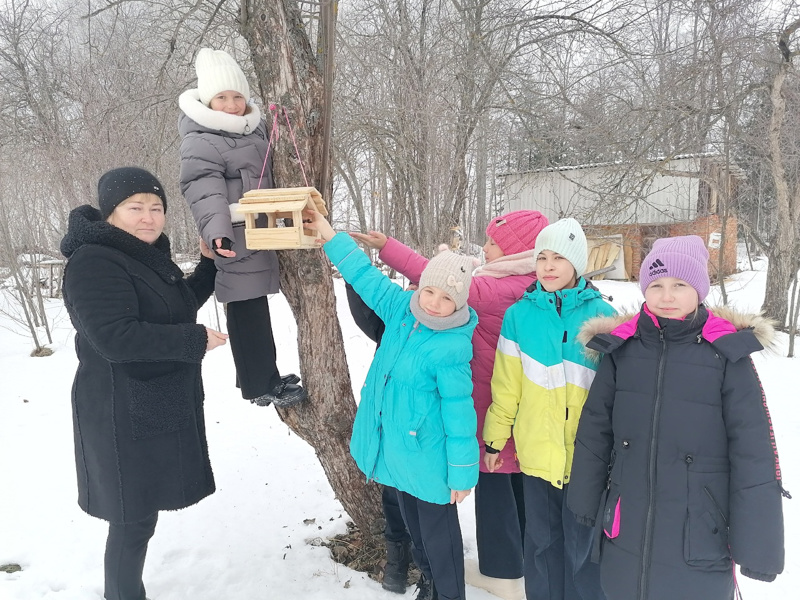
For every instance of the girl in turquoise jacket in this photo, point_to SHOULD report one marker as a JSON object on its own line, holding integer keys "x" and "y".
{"x": 540, "y": 382}
{"x": 414, "y": 428}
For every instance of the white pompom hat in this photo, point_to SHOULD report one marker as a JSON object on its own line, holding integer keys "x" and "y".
{"x": 218, "y": 72}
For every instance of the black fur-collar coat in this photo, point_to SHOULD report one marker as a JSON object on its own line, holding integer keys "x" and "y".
{"x": 137, "y": 398}
{"x": 675, "y": 459}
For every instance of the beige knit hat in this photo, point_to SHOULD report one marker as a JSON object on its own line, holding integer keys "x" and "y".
{"x": 217, "y": 72}
{"x": 450, "y": 272}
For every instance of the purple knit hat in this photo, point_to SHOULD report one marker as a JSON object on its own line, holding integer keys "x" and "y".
{"x": 684, "y": 257}
{"x": 516, "y": 231}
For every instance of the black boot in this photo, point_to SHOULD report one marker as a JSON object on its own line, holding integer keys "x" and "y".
{"x": 290, "y": 378}
{"x": 425, "y": 589}
{"x": 395, "y": 573}
{"x": 284, "y": 394}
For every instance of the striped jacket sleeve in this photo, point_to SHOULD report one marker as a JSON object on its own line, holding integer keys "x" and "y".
{"x": 506, "y": 386}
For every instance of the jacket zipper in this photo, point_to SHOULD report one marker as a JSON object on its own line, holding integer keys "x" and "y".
{"x": 371, "y": 477}
{"x": 385, "y": 383}
{"x": 559, "y": 301}
{"x": 651, "y": 472}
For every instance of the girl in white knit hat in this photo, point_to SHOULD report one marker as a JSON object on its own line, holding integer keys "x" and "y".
{"x": 541, "y": 379}
{"x": 415, "y": 425}
{"x": 223, "y": 149}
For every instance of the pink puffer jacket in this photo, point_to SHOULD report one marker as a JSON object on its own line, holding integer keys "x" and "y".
{"x": 489, "y": 297}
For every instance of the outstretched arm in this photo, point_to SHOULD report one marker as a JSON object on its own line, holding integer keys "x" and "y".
{"x": 379, "y": 293}
{"x": 374, "y": 239}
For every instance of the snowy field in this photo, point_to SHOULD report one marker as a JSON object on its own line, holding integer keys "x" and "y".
{"x": 250, "y": 540}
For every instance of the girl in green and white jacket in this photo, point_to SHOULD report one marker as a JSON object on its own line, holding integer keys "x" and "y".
{"x": 541, "y": 379}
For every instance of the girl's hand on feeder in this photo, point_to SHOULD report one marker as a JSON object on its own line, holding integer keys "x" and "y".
{"x": 205, "y": 250}
{"x": 373, "y": 239}
{"x": 316, "y": 221}
{"x": 221, "y": 250}
{"x": 458, "y": 496}
{"x": 215, "y": 339}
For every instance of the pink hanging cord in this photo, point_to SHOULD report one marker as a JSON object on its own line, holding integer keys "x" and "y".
{"x": 274, "y": 136}
{"x": 294, "y": 141}
{"x": 737, "y": 592}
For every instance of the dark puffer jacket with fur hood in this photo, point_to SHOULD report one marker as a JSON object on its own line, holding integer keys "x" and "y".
{"x": 675, "y": 461}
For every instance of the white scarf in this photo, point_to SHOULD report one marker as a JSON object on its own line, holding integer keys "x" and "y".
{"x": 189, "y": 103}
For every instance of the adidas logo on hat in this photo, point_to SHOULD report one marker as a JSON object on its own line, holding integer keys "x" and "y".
{"x": 654, "y": 268}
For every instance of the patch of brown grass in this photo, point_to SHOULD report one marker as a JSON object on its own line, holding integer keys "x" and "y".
{"x": 365, "y": 553}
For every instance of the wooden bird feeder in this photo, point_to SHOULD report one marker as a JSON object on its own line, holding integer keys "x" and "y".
{"x": 281, "y": 203}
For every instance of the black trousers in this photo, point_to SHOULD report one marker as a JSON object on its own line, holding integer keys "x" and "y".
{"x": 253, "y": 346}
{"x": 558, "y": 549}
{"x": 126, "y": 548}
{"x": 500, "y": 524}
{"x": 395, "y": 530}
{"x": 436, "y": 536}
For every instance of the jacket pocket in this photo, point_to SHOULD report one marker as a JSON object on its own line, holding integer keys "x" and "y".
{"x": 411, "y": 434}
{"x": 611, "y": 515}
{"x": 159, "y": 405}
{"x": 611, "y": 509}
{"x": 705, "y": 533}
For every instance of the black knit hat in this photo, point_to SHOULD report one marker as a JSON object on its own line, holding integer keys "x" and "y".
{"x": 117, "y": 185}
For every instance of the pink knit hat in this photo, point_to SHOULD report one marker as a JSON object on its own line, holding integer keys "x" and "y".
{"x": 684, "y": 257}
{"x": 516, "y": 231}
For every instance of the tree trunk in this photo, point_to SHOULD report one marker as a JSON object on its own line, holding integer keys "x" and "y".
{"x": 781, "y": 249}
{"x": 289, "y": 75}
{"x": 480, "y": 212}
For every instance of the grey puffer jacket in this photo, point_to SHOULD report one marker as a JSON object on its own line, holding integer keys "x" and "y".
{"x": 221, "y": 158}
{"x": 675, "y": 458}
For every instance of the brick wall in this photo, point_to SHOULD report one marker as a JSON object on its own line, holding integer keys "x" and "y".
{"x": 638, "y": 240}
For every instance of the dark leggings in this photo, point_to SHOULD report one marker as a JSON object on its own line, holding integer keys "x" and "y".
{"x": 436, "y": 539}
{"x": 253, "y": 347}
{"x": 395, "y": 530}
{"x": 500, "y": 524}
{"x": 126, "y": 548}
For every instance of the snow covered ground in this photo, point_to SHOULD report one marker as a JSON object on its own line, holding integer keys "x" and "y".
{"x": 250, "y": 540}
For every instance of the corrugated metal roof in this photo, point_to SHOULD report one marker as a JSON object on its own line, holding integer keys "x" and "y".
{"x": 611, "y": 193}
{"x": 715, "y": 156}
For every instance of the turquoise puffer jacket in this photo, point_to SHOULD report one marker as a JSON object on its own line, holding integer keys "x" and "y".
{"x": 415, "y": 425}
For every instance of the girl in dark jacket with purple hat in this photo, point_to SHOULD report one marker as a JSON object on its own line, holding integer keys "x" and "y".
{"x": 675, "y": 461}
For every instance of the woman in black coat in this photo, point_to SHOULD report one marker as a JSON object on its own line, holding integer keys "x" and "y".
{"x": 137, "y": 398}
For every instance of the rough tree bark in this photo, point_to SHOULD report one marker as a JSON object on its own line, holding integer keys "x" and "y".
{"x": 782, "y": 263}
{"x": 290, "y": 76}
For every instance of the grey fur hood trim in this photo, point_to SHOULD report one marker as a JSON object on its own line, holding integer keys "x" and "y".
{"x": 763, "y": 328}
{"x": 215, "y": 120}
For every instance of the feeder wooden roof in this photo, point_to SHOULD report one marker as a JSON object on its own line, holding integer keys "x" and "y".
{"x": 285, "y": 199}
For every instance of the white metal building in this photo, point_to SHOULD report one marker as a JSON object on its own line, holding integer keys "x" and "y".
{"x": 675, "y": 190}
